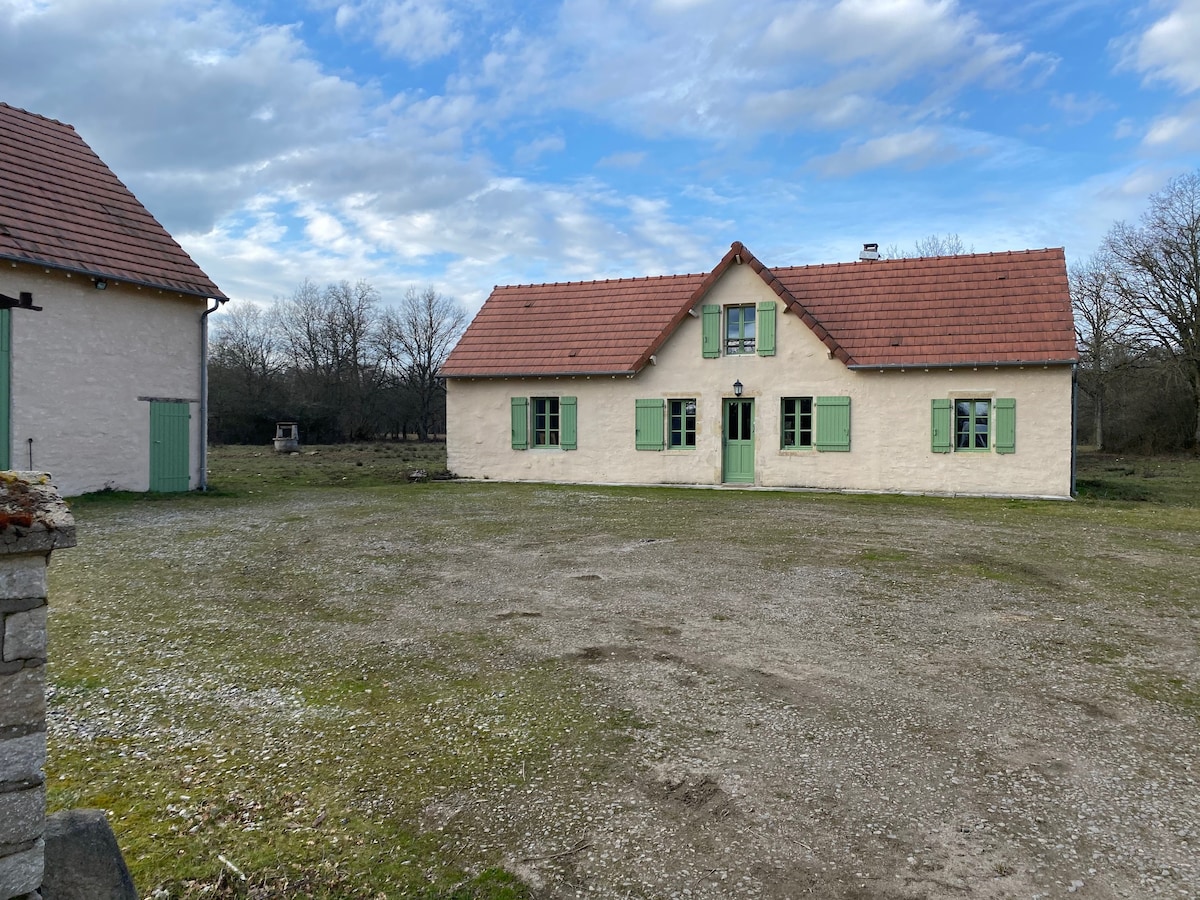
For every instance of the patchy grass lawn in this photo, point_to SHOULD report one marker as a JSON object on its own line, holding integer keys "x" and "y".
{"x": 1167, "y": 480}
{"x": 320, "y": 680}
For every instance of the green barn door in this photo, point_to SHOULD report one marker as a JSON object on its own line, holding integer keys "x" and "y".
{"x": 169, "y": 439}
{"x": 5, "y": 388}
{"x": 737, "y": 451}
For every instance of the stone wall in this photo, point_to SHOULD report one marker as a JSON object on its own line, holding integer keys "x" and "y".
{"x": 34, "y": 521}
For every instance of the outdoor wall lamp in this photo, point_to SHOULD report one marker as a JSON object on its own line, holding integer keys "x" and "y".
{"x": 737, "y": 388}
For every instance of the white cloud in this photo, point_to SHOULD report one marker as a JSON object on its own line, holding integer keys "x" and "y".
{"x": 530, "y": 153}
{"x": 914, "y": 148}
{"x": 1077, "y": 109}
{"x": 1169, "y": 50}
{"x": 731, "y": 71}
{"x": 1178, "y": 133}
{"x": 629, "y": 160}
{"x": 415, "y": 30}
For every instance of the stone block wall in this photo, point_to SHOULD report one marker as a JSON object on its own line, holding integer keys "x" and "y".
{"x": 34, "y": 521}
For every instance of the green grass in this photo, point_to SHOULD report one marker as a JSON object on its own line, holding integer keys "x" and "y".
{"x": 243, "y": 470}
{"x": 1166, "y": 480}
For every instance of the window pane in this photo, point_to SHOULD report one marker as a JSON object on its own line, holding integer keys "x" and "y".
{"x": 981, "y": 424}
{"x": 681, "y": 416}
{"x": 545, "y": 422}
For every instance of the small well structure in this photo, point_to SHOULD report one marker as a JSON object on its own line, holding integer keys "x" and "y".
{"x": 287, "y": 437}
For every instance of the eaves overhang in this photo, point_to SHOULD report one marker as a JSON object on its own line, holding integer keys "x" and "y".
{"x": 964, "y": 364}
{"x": 629, "y": 373}
{"x": 191, "y": 291}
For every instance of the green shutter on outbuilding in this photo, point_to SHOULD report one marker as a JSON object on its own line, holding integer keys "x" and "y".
{"x": 648, "y": 424}
{"x": 710, "y": 320}
{"x": 942, "y": 426}
{"x": 520, "y": 423}
{"x": 1006, "y": 425}
{"x": 833, "y": 423}
{"x": 567, "y": 422}
{"x": 5, "y": 388}
{"x": 766, "y": 328}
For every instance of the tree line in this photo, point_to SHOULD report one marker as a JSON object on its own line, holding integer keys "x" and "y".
{"x": 336, "y": 361}
{"x": 1137, "y": 320}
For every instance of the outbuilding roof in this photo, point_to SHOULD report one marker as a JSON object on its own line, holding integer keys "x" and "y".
{"x": 62, "y": 207}
{"x": 979, "y": 308}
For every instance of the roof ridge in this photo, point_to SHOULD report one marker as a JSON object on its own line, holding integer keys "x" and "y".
{"x": 909, "y": 260}
{"x": 37, "y": 115}
{"x": 498, "y": 287}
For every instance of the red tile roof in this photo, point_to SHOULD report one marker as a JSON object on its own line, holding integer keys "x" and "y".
{"x": 933, "y": 311}
{"x": 61, "y": 206}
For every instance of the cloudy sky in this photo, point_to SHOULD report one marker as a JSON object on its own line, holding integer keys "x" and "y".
{"x": 467, "y": 143}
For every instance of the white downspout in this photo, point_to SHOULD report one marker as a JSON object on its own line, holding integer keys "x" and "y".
{"x": 203, "y": 485}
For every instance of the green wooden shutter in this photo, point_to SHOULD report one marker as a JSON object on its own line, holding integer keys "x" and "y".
{"x": 833, "y": 423}
{"x": 170, "y": 432}
{"x": 942, "y": 426}
{"x": 567, "y": 422}
{"x": 1006, "y": 425}
{"x": 520, "y": 423}
{"x": 648, "y": 433}
{"x": 710, "y": 320}
{"x": 766, "y": 328}
{"x": 5, "y": 388}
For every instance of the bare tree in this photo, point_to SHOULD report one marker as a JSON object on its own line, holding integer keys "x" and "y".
{"x": 244, "y": 373}
{"x": 416, "y": 337}
{"x": 328, "y": 338}
{"x": 1102, "y": 329}
{"x": 931, "y": 245}
{"x": 1156, "y": 274}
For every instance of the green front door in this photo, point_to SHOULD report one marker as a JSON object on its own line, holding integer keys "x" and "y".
{"x": 169, "y": 438}
{"x": 738, "y": 442}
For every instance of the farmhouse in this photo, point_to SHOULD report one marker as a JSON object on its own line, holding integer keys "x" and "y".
{"x": 946, "y": 375}
{"x": 103, "y": 325}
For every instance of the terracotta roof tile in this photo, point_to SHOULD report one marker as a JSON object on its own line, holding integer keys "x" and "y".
{"x": 934, "y": 311}
{"x": 61, "y": 206}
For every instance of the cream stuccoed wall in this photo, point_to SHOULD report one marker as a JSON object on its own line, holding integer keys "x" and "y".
{"x": 81, "y": 364}
{"x": 890, "y": 419}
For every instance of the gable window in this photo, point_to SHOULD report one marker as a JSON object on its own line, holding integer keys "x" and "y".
{"x": 747, "y": 329}
{"x": 544, "y": 422}
{"x": 739, "y": 329}
{"x": 974, "y": 424}
{"x": 797, "y": 428}
{"x": 682, "y": 430}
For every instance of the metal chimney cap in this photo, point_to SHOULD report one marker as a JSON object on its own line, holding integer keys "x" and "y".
{"x": 869, "y": 252}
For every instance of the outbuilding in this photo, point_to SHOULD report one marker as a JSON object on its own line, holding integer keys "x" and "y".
{"x": 103, "y": 323}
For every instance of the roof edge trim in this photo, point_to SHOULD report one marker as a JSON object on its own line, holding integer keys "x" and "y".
{"x": 606, "y": 374}
{"x": 977, "y": 363}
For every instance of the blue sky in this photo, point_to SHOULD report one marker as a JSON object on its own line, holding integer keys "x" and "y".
{"x": 467, "y": 143}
